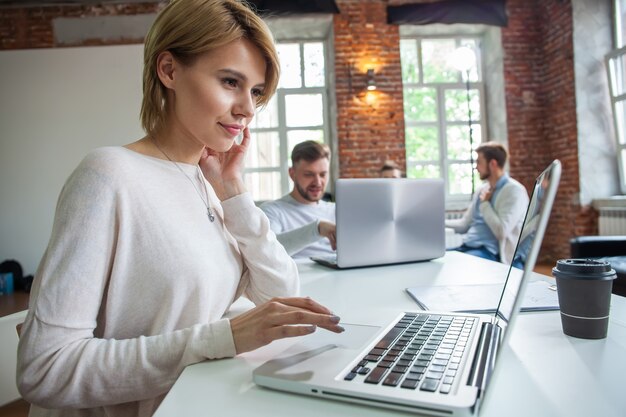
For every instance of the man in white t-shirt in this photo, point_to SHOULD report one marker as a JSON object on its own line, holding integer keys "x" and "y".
{"x": 304, "y": 223}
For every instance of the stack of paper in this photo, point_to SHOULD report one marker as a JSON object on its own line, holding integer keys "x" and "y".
{"x": 483, "y": 298}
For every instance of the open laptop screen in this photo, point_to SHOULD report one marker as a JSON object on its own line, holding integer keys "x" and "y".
{"x": 535, "y": 222}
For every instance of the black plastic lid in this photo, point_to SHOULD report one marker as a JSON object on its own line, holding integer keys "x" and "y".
{"x": 591, "y": 269}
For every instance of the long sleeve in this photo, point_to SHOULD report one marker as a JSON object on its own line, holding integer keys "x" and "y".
{"x": 292, "y": 239}
{"x": 64, "y": 367}
{"x": 505, "y": 217}
{"x": 507, "y": 211}
{"x": 296, "y": 225}
{"x": 270, "y": 272}
{"x": 463, "y": 224}
{"x": 134, "y": 285}
{"x": 297, "y": 239}
{"x": 61, "y": 361}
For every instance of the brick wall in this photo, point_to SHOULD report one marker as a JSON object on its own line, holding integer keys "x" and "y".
{"x": 560, "y": 127}
{"x": 370, "y": 125}
{"x": 540, "y": 101}
{"x": 541, "y": 110}
{"x": 31, "y": 27}
{"x": 539, "y": 84}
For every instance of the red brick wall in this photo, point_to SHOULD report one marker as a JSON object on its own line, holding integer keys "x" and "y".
{"x": 560, "y": 128}
{"x": 31, "y": 27}
{"x": 370, "y": 125}
{"x": 541, "y": 111}
{"x": 539, "y": 83}
{"x": 540, "y": 101}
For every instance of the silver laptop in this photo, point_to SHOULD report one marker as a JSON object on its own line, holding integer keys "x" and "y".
{"x": 422, "y": 362}
{"x": 387, "y": 221}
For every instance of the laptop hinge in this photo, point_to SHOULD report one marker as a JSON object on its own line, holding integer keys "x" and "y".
{"x": 485, "y": 358}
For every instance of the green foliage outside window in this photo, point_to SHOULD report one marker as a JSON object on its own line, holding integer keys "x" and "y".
{"x": 459, "y": 179}
{"x": 436, "y": 54}
{"x": 423, "y": 171}
{"x": 422, "y": 144}
{"x": 410, "y": 66}
{"x": 437, "y": 134}
{"x": 458, "y": 145}
{"x": 420, "y": 104}
{"x": 456, "y": 105}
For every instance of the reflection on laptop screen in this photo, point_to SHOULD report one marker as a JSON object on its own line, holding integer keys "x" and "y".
{"x": 527, "y": 236}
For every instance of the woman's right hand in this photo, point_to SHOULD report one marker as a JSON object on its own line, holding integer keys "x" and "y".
{"x": 224, "y": 169}
{"x": 280, "y": 318}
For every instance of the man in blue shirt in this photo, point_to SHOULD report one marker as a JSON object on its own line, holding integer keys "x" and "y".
{"x": 491, "y": 224}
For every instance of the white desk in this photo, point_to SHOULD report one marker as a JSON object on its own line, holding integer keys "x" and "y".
{"x": 545, "y": 373}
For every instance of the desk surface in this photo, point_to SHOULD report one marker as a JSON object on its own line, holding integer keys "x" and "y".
{"x": 543, "y": 372}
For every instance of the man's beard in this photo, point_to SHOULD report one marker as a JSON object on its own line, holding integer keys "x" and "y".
{"x": 304, "y": 194}
{"x": 486, "y": 175}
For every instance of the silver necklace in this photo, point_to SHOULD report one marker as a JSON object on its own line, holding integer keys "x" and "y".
{"x": 207, "y": 203}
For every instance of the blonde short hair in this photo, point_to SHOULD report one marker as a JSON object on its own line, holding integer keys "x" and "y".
{"x": 189, "y": 28}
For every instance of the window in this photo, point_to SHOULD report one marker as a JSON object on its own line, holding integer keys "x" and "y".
{"x": 296, "y": 113}
{"x": 443, "y": 110}
{"x": 619, "y": 24}
{"x": 616, "y": 67}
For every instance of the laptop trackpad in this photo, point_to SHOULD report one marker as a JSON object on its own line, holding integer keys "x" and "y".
{"x": 355, "y": 336}
{"x": 322, "y": 349}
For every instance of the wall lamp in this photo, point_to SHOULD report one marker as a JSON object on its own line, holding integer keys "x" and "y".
{"x": 371, "y": 82}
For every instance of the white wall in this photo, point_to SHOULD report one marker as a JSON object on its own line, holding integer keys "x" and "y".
{"x": 55, "y": 106}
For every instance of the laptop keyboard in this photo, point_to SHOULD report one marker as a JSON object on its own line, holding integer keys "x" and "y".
{"x": 422, "y": 351}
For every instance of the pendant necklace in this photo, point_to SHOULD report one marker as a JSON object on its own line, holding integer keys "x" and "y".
{"x": 206, "y": 203}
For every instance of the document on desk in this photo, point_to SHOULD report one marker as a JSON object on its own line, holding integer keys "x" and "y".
{"x": 483, "y": 298}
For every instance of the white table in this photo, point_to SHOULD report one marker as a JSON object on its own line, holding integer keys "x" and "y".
{"x": 544, "y": 372}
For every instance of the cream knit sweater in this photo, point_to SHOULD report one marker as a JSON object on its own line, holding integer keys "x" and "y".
{"x": 134, "y": 283}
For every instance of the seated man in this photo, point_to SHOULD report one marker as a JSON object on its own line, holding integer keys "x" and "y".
{"x": 391, "y": 170}
{"x": 304, "y": 223}
{"x": 492, "y": 223}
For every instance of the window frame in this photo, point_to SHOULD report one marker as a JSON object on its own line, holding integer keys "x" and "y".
{"x": 453, "y": 201}
{"x": 618, "y": 24}
{"x": 282, "y": 129}
{"x": 618, "y": 55}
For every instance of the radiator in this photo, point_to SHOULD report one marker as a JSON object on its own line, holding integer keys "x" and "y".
{"x": 612, "y": 221}
{"x": 451, "y": 215}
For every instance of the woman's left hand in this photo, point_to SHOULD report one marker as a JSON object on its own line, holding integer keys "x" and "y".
{"x": 224, "y": 170}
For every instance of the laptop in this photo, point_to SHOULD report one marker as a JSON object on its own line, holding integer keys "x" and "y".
{"x": 387, "y": 221}
{"x": 432, "y": 363}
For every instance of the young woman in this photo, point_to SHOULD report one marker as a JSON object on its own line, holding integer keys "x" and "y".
{"x": 152, "y": 242}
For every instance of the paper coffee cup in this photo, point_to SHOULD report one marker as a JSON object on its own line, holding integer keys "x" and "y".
{"x": 584, "y": 290}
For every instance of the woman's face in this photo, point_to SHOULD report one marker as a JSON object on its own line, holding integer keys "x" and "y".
{"x": 215, "y": 98}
